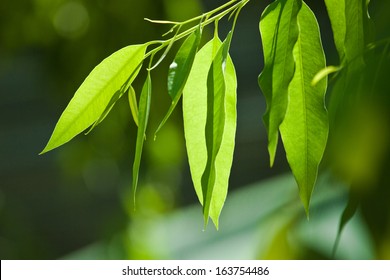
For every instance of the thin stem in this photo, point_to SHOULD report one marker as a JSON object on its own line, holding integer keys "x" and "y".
{"x": 234, "y": 9}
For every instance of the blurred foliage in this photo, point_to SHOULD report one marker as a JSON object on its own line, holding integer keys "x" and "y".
{"x": 76, "y": 202}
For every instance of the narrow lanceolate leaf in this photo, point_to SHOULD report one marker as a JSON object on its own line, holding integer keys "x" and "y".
{"x": 107, "y": 110}
{"x": 354, "y": 32}
{"x": 279, "y": 33}
{"x": 336, "y": 12}
{"x": 349, "y": 19}
{"x": 215, "y": 122}
{"x": 304, "y": 130}
{"x": 195, "y": 108}
{"x": 143, "y": 116}
{"x": 133, "y": 104}
{"x": 112, "y": 75}
{"x": 180, "y": 69}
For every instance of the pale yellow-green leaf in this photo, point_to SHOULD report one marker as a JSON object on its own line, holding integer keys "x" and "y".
{"x": 304, "y": 130}
{"x": 113, "y": 74}
{"x": 195, "y": 117}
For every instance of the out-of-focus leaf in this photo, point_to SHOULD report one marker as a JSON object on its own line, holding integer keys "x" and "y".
{"x": 113, "y": 74}
{"x": 304, "y": 130}
{"x": 143, "y": 116}
{"x": 133, "y": 104}
{"x": 348, "y": 213}
{"x": 180, "y": 69}
{"x": 279, "y": 33}
{"x": 195, "y": 112}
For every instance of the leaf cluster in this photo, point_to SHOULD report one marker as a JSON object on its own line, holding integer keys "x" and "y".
{"x": 294, "y": 82}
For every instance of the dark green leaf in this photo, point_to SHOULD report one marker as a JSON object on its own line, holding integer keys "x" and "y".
{"x": 180, "y": 69}
{"x": 304, "y": 130}
{"x": 90, "y": 101}
{"x": 279, "y": 32}
{"x": 143, "y": 116}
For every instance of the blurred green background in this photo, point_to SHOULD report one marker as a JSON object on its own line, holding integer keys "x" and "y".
{"x": 75, "y": 202}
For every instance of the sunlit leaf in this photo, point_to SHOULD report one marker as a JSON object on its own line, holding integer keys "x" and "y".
{"x": 279, "y": 32}
{"x": 349, "y": 20}
{"x": 354, "y": 33}
{"x": 106, "y": 111}
{"x": 336, "y": 12}
{"x": 195, "y": 107}
{"x": 113, "y": 74}
{"x": 325, "y": 72}
{"x": 215, "y": 122}
{"x": 133, "y": 104}
{"x": 143, "y": 116}
{"x": 304, "y": 130}
{"x": 180, "y": 69}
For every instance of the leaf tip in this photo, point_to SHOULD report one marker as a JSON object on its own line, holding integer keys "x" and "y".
{"x": 47, "y": 148}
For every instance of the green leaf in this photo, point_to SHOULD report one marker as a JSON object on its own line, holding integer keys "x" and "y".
{"x": 215, "y": 121}
{"x": 195, "y": 112}
{"x": 114, "y": 73}
{"x": 279, "y": 33}
{"x": 143, "y": 116}
{"x": 354, "y": 33}
{"x": 133, "y": 104}
{"x": 348, "y": 213}
{"x": 304, "y": 130}
{"x": 349, "y": 20}
{"x": 336, "y": 12}
{"x": 180, "y": 69}
{"x": 323, "y": 73}
{"x": 108, "y": 109}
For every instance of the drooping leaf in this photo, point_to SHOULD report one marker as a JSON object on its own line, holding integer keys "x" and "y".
{"x": 354, "y": 33}
{"x": 352, "y": 29}
{"x": 215, "y": 121}
{"x": 133, "y": 104}
{"x": 195, "y": 107}
{"x": 349, "y": 20}
{"x": 348, "y": 213}
{"x": 336, "y": 12}
{"x": 279, "y": 33}
{"x": 107, "y": 110}
{"x": 304, "y": 130}
{"x": 113, "y": 74}
{"x": 180, "y": 69}
{"x": 143, "y": 116}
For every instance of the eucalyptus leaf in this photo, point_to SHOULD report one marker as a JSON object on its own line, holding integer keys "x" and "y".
{"x": 215, "y": 122}
{"x": 179, "y": 70}
{"x": 133, "y": 104}
{"x": 348, "y": 213}
{"x": 304, "y": 130}
{"x": 143, "y": 116}
{"x": 106, "y": 111}
{"x": 195, "y": 113}
{"x": 336, "y": 12}
{"x": 279, "y": 33}
{"x": 113, "y": 74}
{"x": 354, "y": 33}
